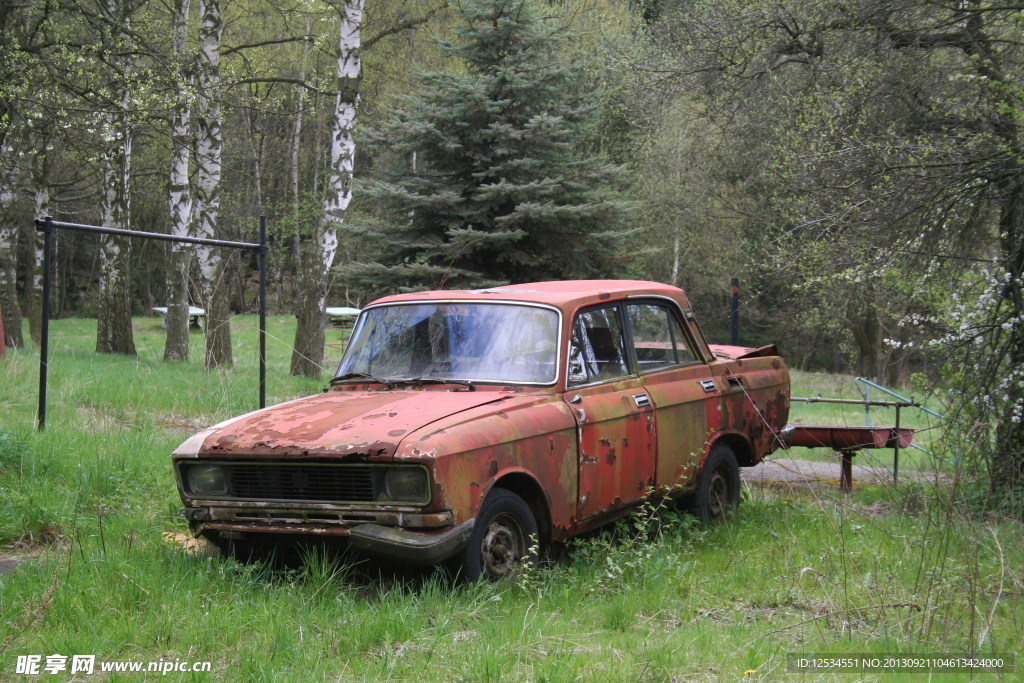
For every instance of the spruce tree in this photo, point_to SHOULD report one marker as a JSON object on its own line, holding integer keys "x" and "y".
{"x": 484, "y": 177}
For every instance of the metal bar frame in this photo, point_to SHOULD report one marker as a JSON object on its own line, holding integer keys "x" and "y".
{"x": 47, "y": 225}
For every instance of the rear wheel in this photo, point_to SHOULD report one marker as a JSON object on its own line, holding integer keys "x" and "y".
{"x": 503, "y": 541}
{"x": 718, "y": 486}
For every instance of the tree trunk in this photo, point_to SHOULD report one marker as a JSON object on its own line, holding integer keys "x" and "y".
{"x": 1007, "y": 469}
{"x": 34, "y": 284}
{"x": 308, "y": 351}
{"x": 180, "y": 199}
{"x": 8, "y": 282}
{"x": 209, "y": 149}
{"x": 114, "y": 327}
{"x": 11, "y": 315}
{"x": 869, "y": 335}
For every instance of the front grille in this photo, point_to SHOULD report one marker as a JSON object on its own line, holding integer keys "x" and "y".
{"x": 288, "y": 482}
{"x": 301, "y": 482}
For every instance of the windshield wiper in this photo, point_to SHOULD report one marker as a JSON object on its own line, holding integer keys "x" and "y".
{"x": 434, "y": 380}
{"x": 355, "y": 375}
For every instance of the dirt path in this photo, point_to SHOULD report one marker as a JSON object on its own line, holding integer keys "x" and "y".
{"x": 8, "y": 565}
{"x": 805, "y": 471}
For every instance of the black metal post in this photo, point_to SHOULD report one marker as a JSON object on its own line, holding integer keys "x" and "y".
{"x": 46, "y": 225}
{"x": 734, "y": 312}
{"x": 896, "y": 449}
{"x": 263, "y": 311}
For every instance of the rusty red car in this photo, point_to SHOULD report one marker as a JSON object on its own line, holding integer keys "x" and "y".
{"x": 475, "y": 426}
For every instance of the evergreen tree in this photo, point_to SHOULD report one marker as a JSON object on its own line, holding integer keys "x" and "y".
{"x": 485, "y": 180}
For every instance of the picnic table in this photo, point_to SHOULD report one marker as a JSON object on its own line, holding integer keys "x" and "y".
{"x": 342, "y": 314}
{"x": 194, "y": 314}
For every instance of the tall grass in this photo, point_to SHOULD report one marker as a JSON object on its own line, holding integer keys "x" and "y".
{"x": 654, "y": 598}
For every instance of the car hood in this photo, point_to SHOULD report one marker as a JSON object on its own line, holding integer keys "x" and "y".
{"x": 337, "y": 423}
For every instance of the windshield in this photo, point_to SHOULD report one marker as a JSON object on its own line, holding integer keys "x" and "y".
{"x": 466, "y": 341}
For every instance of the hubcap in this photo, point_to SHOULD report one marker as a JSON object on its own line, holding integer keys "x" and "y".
{"x": 718, "y": 494}
{"x": 503, "y": 548}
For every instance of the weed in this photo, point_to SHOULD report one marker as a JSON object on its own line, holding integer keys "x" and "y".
{"x": 13, "y": 448}
{"x": 653, "y": 598}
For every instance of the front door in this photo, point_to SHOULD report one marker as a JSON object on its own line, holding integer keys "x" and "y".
{"x": 613, "y": 413}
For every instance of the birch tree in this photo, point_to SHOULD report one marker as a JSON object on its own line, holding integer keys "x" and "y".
{"x": 9, "y": 177}
{"x": 8, "y": 246}
{"x": 39, "y": 186}
{"x": 209, "y": 150}
{"x": 114, "y": 327}
{"x": 180, "y": 199}
{"x": 318, "y": 254}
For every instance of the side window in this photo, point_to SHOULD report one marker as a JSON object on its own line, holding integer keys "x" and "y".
{"x": 658, "y": 337}
{"x": 684, "y": 354}
{"x": 597, "y": 352}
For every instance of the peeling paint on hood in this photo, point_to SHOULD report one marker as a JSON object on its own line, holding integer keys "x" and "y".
{"x": 358, "y": 423}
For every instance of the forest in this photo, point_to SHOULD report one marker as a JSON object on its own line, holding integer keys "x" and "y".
{"x": 858, "y": 165}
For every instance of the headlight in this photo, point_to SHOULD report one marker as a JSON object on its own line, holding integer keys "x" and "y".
{"x": 406, "y": 484}
{"x": 207, "y": 479}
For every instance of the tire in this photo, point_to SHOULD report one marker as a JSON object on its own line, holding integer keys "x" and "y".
{"x": 718, "y": 486}
{"x": 503, "y": 541}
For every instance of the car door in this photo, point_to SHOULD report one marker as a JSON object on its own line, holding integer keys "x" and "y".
{"x": 679, "y": 385}
{"x": 616, "y": 441}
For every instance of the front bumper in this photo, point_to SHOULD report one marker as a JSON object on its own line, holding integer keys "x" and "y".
{"x": 250, "y": 516}
{"x": 410, "y": 546}
{"x": 407, "y": 536}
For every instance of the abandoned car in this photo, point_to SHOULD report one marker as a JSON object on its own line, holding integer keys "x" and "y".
{"x": 462, "y": 425}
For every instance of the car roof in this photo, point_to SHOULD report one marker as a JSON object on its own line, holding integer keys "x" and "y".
{"x": 567, "y": 295}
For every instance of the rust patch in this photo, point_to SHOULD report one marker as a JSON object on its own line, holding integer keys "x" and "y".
{"x": 492, "y": 468}
{"x": 396, "y": 432}
{"x": 609, "y": 457}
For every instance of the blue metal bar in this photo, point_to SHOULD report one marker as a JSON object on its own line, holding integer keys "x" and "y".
{"x": 869, "y": 383}
{"x": 865, "y": 386}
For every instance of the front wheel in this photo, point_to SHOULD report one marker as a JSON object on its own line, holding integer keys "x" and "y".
{"x": 718, "y": 486}
{"x": 503, "y": 541}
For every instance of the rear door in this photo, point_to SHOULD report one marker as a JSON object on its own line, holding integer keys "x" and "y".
{"x": 613, "y": 414}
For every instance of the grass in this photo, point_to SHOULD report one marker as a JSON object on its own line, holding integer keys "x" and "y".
{"x": 658, "y": 599}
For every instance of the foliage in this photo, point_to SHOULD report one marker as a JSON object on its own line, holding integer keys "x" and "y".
{"x": 483, "y": 180}
{"x": 888, "y": 145}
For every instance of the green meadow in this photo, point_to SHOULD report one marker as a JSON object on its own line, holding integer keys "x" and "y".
{"x": 88, "y": 504}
